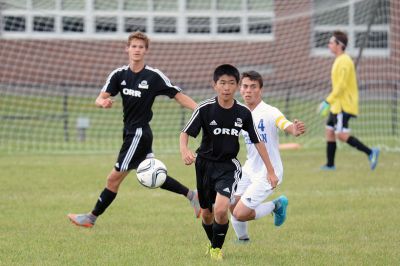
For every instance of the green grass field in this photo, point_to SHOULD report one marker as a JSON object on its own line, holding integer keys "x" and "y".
{"x": 347, "y": 217}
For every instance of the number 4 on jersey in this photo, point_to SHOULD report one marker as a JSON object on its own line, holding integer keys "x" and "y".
{"x": 261, "y": 128}
{"x": 261, "y": 125}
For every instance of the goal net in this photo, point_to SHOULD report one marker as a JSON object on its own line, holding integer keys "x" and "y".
{"x": 56, "y": 55}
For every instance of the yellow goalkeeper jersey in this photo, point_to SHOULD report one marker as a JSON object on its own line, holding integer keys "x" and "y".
{"x": 344, "y": 95}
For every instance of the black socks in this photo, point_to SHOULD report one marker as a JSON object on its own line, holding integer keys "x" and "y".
{"x": 354, "y": 142}
{"x": 209, "y": 230}
{"x": 216, "y": 233}
{"x": 173, "y": 185}
{"x": 330, "y": 153}
{"x": 219, "y": 233}
{"x": 105, "y": 199}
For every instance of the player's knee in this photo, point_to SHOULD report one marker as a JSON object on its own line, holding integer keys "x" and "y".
{"x": 343, "y": 137}
{"x": 330, "y": 134}
{"x": 239, "y": 215}
{"x": 114, "y": 180}
{"x": 221, "y": 215}
{"x": 207, "y": 216}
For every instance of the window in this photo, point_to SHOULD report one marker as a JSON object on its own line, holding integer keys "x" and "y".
{"x": 336, "y": 16}
{"x": 321, "y": 39}
{"x": 106, "y": 24}
{"x": 198, "y": 5}
{"x": 198, "y": 25}
{"x": 382, "y": 11}
{"x": 72, "y": 5}
{"x": 352, "y": 17}
{"x": 257, "y": 5}
{"x": 229, "y": 25}
{"x": 376, "y": 39}
{"x": 73, "y": 24}
{"x": 164, "y": 25}
{"x": 12, "y": 23}
{"x": 165, "y": 5}
{"x": 43, "y": 4}
{"x": 13, "y": 4}
{"x": 136, "y": 5}
{"x": 135, "y": 24}
{"x": 168, "y": 19}
{"x": 106, "y": 5}
{"x": 229, "y": 4}
{"x": 259, "y": 25}
{"x": 43, "y": 24}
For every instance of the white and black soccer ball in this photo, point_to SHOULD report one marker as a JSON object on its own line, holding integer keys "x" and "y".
{"x": 151, "y": 173}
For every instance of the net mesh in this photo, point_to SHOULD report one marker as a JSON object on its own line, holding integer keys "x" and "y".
{"x": 56, "y": 55}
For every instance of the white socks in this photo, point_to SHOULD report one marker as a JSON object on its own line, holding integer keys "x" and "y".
{"x": 240, "y": 228}
{"x": 264, "y": 209}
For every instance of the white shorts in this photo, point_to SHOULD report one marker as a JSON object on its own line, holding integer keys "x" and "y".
{"x": 253, "y": 190}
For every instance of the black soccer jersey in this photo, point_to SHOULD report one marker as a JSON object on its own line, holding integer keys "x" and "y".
{"x": 138, "y": 92}
{"x": 221, "y": 128}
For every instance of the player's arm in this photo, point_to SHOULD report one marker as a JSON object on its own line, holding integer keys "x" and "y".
{"x": 165, "y": 87}
{"x": 104, "y": 100}
{"x": 188, "y": 157}
{"x": 185, "y": 101}
{"x": 296, "y": 128}
{"x": 109, "y": 89}
{"x": 271, "y": 176}
{"x": 262, "y": 151}
{"x": 192, "y": 128}
{"x": 340, "y": 84}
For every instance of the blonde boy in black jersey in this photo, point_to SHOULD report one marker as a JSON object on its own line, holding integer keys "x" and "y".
{"x": 138, "y": 85}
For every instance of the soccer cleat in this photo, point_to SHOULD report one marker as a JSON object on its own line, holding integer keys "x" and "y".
{"x": 328, "y": 168}
{"x": 216, "y": 254}
{"x": 84, "y": 220}
{"x": 194, "y": 202}
{"x": 209, "y": 247}
{"x": 373, "y": 158}
{"x": 243, "y": 241}
{"x": 279, "y": 211}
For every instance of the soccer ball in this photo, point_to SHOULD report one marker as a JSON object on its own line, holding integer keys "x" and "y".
{"x": 151, "y": 173}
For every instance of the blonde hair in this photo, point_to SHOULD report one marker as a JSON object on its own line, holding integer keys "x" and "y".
{"x": 139, "y": 35}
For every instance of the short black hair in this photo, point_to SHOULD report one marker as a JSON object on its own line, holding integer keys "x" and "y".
{"x": 226, "y": 69}
{"x": 341, "y": 38}
{"x": 253, "y": 75}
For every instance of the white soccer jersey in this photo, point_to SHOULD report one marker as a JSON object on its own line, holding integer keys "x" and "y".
{"x": 268, "y": 120}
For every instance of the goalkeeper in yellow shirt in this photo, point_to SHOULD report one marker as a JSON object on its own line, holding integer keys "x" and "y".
{"x": 342, "y": 104}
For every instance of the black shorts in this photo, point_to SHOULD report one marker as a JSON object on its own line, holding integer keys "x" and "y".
{"x": 339, "y": 122}
{"x": 135, "y": 148}
{"x": 213, "y": 177}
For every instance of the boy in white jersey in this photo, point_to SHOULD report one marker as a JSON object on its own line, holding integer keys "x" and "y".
{"x": 254, "y": 188}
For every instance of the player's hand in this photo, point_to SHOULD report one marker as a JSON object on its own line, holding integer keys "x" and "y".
{"x": 188, "y": 157}
{"x": 272, "y": 179}
{"x": 107, "y": 103}
{"x": 299, "y": 127}
{"x": 323, "y": 109}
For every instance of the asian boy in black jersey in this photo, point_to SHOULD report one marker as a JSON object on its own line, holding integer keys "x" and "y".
{"x": 138, "y": 85}
{"x": 217, "y": 170}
